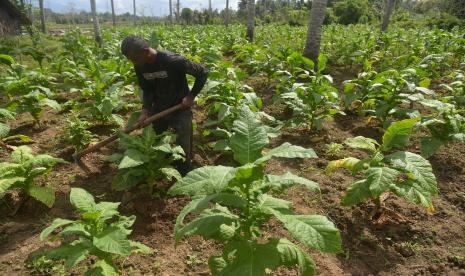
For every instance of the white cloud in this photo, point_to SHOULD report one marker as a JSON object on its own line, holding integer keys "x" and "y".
{"x": 147, "y": 7}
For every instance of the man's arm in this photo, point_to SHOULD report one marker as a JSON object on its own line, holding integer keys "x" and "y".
{"x": 147, "y": 96}
{"x": 194, "y": 69}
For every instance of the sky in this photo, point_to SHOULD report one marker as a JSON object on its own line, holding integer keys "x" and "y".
{"x": 143, "y": 7}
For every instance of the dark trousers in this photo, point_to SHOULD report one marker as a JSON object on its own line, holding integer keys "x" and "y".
{"x": 181, "y": 122}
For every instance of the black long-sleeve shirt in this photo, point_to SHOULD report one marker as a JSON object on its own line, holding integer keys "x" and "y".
{"x": 164, "y": 82}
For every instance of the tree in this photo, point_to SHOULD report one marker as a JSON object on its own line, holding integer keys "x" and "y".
{"x": 98, "y": 36}
{"x": 113, "y": 13}
{"x": 171, "y": 12}
{"x": 134, "y": 5}
{"x": 42, "y": 16}
{"x": 186, "y": 14}
{"x": 317, "y": 16}
{"x": 250, "y": 19}
{"x": 226, "y": 19}
{"x": 177, "y": 10}
{"x": 387, "y": 14}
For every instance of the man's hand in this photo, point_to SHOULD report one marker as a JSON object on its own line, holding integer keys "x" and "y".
{"x": 144, "y": 114}
{"x": 188, "y": 101}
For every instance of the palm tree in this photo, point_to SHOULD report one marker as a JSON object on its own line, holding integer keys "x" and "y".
{"x": 134, "y": 5}
{"x": 98, "y": 36}
{"x": 113, "y": 13}
{"x": 315, "y": 21}
{"x": 250, "y": 19}
{"x": 387, "y": 14}
{"x": 177, "y": 10}
{"x": 42, "y": 16}
{"x": 226, "y": 20}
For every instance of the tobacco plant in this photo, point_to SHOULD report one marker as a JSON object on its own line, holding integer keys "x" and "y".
{"x": 232, "y": 204}
{"x": 444, "y": 125}
{"x": 101, "y": 232}
{"x": 146, "y": 158}
{"x": 22, "y": 172}
{"x": 403, "y": 173}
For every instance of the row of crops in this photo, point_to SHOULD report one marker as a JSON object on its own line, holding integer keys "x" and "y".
{"x": 408, "y": 82}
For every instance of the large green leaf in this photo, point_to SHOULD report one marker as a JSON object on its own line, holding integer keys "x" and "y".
{"x": 55, "y": 224}
{"x": 138, "y": 247}
{"x": 254, "y": 259}
{"x": 72, "y": 253}
{"x": 102, "y": 268}
{"x": 418, "y": 166}
{"x": 113, "y": 240}
{"x": 268, "y": 205}
{"x": 4, "y": 130}
{"x": 313, "y": 230}
{"x": 7, "y": 59}
{"x": 398, "y": 133}
{"x": 209, "y": 223}
{"x": 7, "y": 183}
{"x": 132, "y": 158}
{"x": 21, "y": 154}
{"x": 203, "y": 181}
{"x": 379, "y": 179}
{"x": 287, "y": 150}
{"x": 288, "y": 179}
{"x": 82, "y": 200}
{"x": 429, "y": 146}
{"x": 249, "y": 137}
{"x": 45, "y": 160}
{"x": 362, "y": 143}
{"x": 46, "y": 195}
{"x": 357, "y": 192}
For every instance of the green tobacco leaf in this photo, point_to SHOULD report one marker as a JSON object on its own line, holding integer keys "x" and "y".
{"x": 203, "y": 181}
{"x": 102, "y": 268}
{"x": 249, "y": 137}
{"x": 71, "y": 253}
{"x": 347, "y": 163}
{"x": 429, "y": 146}
{"x": 21, "y": 154}
{"x": 55, "y": 224}
{"x": 419, "y": 167}
{"x": 46, "y": 195}
{"x": 291, "y": 255}
{"x": 138, "y": 247}
{"x": 4, "y": 130}
{"x": 75, "y": 229}
{"x": 5, "y": 113}
{"x": 132, "y": 158}
{"x": 288, "y": 179}
{"x": 357, "y": 192}
{"x": 7, "y": 59}
{"x": 82, "y": 200}
{"x": 313, "y": 230}
{"x": 362, "y": 143}
{"x": 287, "y": 150}
{"x": 45, "y": 160}
{"x": 379, "y": 179}
{"x": 113, "y": 240}
{"x": 107, "y": 209}
{"x": 171, "y": 173}
{"x": 116, "y": 157}
{"x": 51, "y": 103}
{"x": 7, "y": 183}
{"x": 251, "y": 258}
{"x": 268, "y": 204}
{"x": 196, "y": 205}
{"x": 398, "y": 133}
{"x": 208, "y": 224}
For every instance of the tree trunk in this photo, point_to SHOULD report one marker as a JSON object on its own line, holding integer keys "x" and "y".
{"x": 250, "y": 19}
{"x": 134, "y": 5}
{"x": 177, "y": 11}
{"x": 113, "y": 18}
{"x": 171, "y": 12}
{"x": 317, "y": 15}
{"x": 98, "y": 36}
{"x": 210, "y": 6}
{"x": 31, "y": 14}
{"x": 42, "y": 16}
{"x": 387, "y": 14}
{"x": 226, "y": 20}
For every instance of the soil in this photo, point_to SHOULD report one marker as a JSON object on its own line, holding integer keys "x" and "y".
{"x": 427, "y": 244}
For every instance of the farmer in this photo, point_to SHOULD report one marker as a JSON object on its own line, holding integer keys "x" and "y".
{"x": 162, "y": 78}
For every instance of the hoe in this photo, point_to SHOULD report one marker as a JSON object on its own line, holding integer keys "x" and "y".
{"x": 77, "y": 156}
